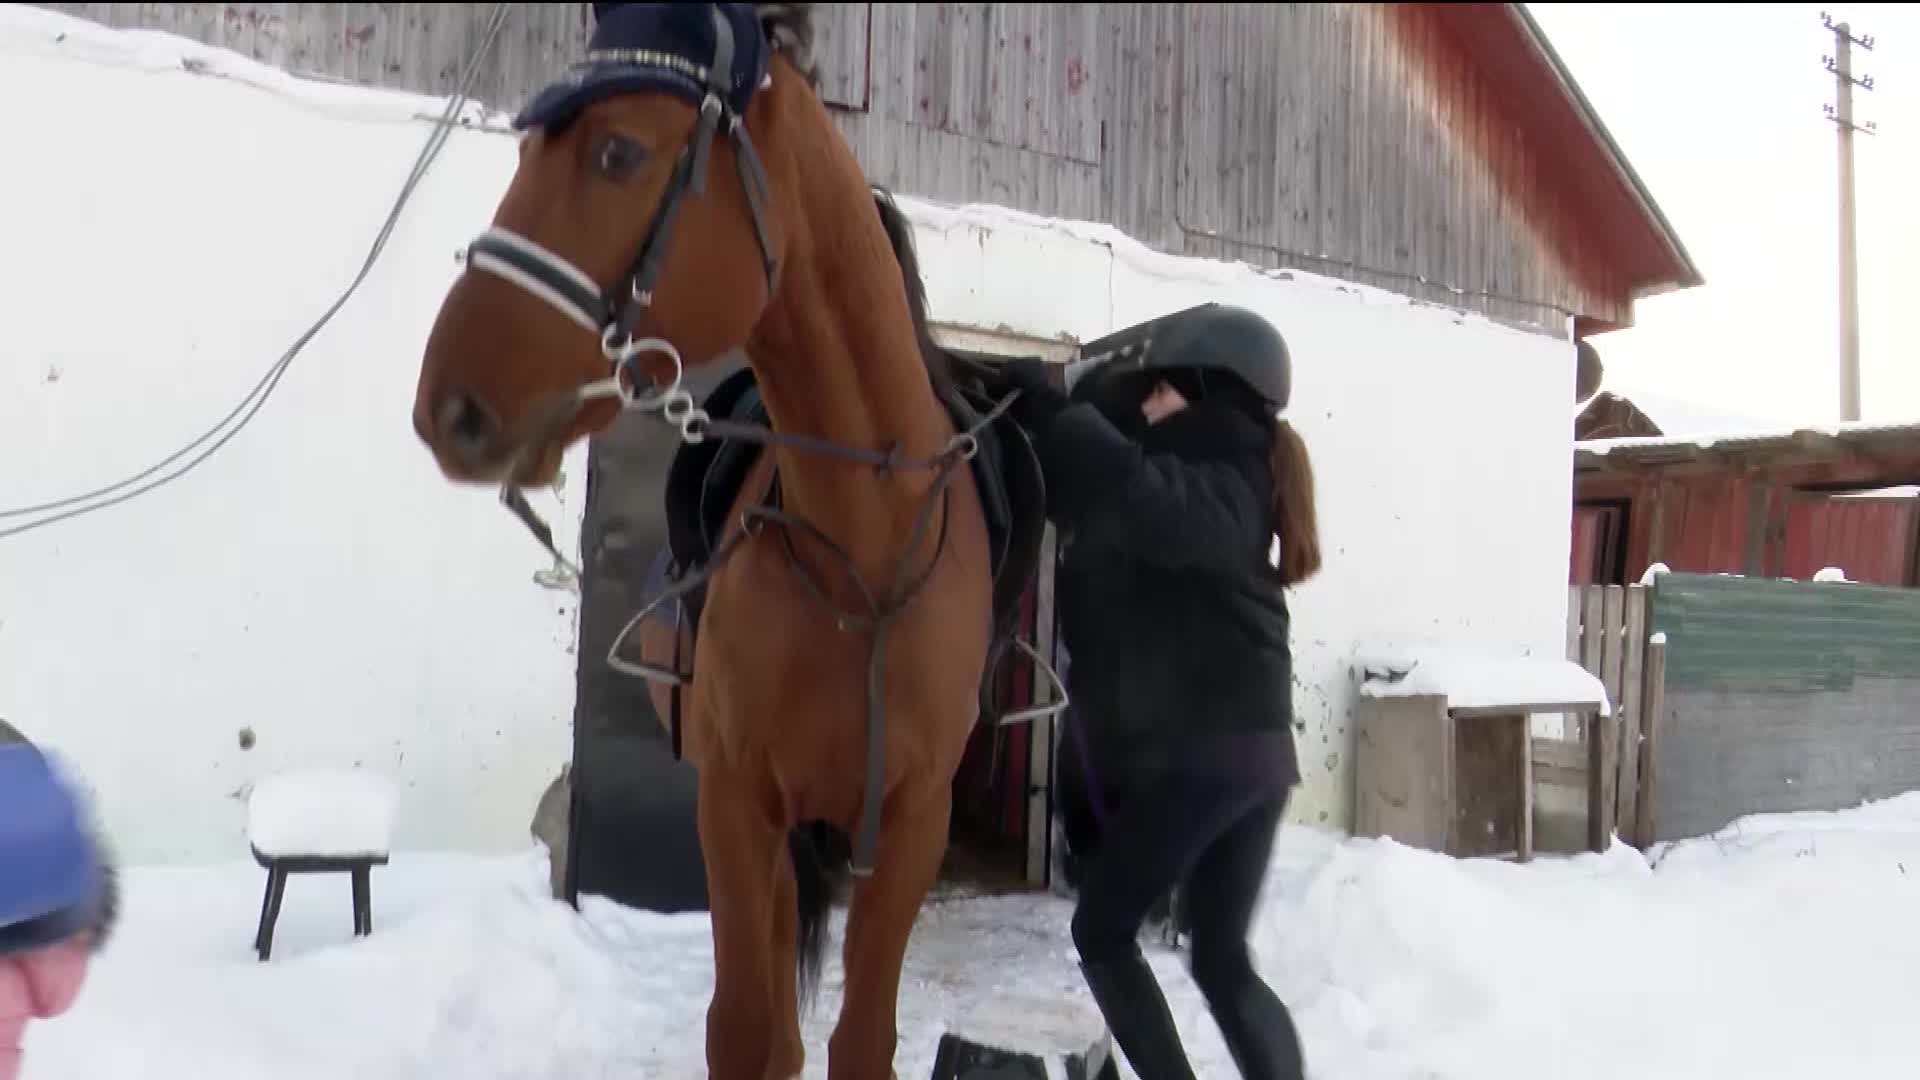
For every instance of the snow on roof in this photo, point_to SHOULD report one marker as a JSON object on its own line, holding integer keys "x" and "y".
{"x": 1680, "y": 417}
{"x": 1475, "y": 680}
{"x": 1594, "y": 454}
{"x": 1896, "y": 491}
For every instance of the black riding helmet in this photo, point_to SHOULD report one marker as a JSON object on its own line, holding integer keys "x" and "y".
{"x": 1199, "y": 351}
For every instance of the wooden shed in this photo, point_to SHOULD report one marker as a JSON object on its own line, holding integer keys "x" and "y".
{"x": 1786, "y": 505}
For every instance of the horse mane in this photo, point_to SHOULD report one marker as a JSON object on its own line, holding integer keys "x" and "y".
{"x": 790, "y": 27}
{"x": 900, "y": 237}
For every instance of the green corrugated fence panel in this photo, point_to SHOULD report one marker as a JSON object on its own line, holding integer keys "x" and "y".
{"x": 1738, "y": 633}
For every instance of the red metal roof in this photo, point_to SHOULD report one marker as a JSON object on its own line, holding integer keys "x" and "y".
{"x": 1575, "y": 150}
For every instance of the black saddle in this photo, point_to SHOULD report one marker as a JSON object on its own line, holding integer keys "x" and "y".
{"x": 705, "y": 479}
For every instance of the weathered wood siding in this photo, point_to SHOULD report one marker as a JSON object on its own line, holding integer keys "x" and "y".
{"x": 418, "y": 47}
{"x": 1782, "y": 696}
{"x": 1348, "y": 139}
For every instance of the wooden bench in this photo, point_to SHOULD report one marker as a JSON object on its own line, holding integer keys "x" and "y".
{"x": 319, "y": 822}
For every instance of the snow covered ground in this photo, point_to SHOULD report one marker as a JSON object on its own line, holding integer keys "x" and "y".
{"x": 1781, "y": 947}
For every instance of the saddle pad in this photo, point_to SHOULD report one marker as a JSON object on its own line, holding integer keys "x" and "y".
{"x": 704, "y": 478}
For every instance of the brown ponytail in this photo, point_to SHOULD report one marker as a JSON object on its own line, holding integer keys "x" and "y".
{"x": 1296, "y": 522}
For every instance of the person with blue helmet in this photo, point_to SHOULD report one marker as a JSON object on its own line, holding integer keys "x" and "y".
{"x": 59, "y": 894}
{"x": 1171, "y": 477}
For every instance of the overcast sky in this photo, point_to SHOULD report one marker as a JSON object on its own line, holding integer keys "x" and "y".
{"x": 1720, "y": 111}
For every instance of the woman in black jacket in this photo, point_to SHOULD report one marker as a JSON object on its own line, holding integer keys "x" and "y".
{"x": 1173, "y": 612}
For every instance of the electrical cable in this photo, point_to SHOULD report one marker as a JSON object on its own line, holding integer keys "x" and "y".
{"x": 442, "y": 131}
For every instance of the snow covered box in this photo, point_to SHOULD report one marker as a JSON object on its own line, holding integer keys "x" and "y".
{"x": 1445, "y": 755}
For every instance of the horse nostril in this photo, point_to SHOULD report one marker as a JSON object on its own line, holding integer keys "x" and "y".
{"x": 466, "y": 423}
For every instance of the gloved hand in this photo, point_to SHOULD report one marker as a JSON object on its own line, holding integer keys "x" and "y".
{"x": 1040, "y": 401}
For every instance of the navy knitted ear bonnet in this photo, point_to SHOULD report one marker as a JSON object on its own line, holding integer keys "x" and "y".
{"x": 684, "y": 49}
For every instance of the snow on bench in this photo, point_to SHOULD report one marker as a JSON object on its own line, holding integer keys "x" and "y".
{"x": 321, "y": 814}
{"x": 1479, "y": 682}
{"x": 1018, "y": 1037}
{"x": 317, "y": 822}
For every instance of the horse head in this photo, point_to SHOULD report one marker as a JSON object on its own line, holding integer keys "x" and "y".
{"x": 639, "y": 235}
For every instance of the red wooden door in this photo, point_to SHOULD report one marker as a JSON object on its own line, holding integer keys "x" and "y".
{"x": 1596, "y": 544}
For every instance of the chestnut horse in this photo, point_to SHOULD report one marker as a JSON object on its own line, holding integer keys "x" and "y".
{"x": 682, "y": 193}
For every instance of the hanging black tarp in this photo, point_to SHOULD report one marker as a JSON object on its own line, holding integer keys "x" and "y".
{"x": 631, "y": 835}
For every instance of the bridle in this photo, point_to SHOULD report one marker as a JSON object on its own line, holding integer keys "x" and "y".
{"x": 614, "y": 314}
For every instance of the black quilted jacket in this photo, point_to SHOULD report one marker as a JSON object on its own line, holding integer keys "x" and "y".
{"x": 1174, "y": 625}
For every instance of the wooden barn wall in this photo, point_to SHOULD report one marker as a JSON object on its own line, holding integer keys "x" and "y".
{"x": 1782, "y": 696}
{"x": 417, "y": 47}
{"x": 1352, "y": 140}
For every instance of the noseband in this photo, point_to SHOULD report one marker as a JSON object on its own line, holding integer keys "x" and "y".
{"x": 614, "y": 313}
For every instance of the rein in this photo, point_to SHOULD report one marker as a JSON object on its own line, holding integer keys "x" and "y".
{"x": 614, "y": 314}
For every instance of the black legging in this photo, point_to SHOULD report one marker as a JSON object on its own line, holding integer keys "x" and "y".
{"x": 1209, "y": 825}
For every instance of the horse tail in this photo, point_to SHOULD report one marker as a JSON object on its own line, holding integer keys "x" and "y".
{"x": 821, "y": 862}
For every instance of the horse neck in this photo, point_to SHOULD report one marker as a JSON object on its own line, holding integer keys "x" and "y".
{"x": 837, "y": 358}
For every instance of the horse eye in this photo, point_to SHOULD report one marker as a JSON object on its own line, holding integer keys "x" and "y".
{"x": 618, "y": 156}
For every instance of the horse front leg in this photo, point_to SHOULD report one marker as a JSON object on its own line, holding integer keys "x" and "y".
{"x": 912, "y": 845}
{"x": 742, "y": 845}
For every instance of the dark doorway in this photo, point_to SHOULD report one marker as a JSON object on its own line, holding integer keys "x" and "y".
{"x": 632, "y": 836}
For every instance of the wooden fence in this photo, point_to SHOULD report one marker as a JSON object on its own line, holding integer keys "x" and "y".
{"x": 1610, "y": 634}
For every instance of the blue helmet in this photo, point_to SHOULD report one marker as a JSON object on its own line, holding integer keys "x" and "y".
{"x": 53, "y": 882}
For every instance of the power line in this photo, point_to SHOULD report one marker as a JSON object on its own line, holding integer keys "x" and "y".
{"x": 442, "y": 131}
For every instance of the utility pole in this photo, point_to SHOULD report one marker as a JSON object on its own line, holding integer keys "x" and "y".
{"x": 1841, "y": 113}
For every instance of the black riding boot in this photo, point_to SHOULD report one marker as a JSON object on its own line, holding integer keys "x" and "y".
{"x": 1136, "y": 1012}
{"x": 1256, "y": 1026}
